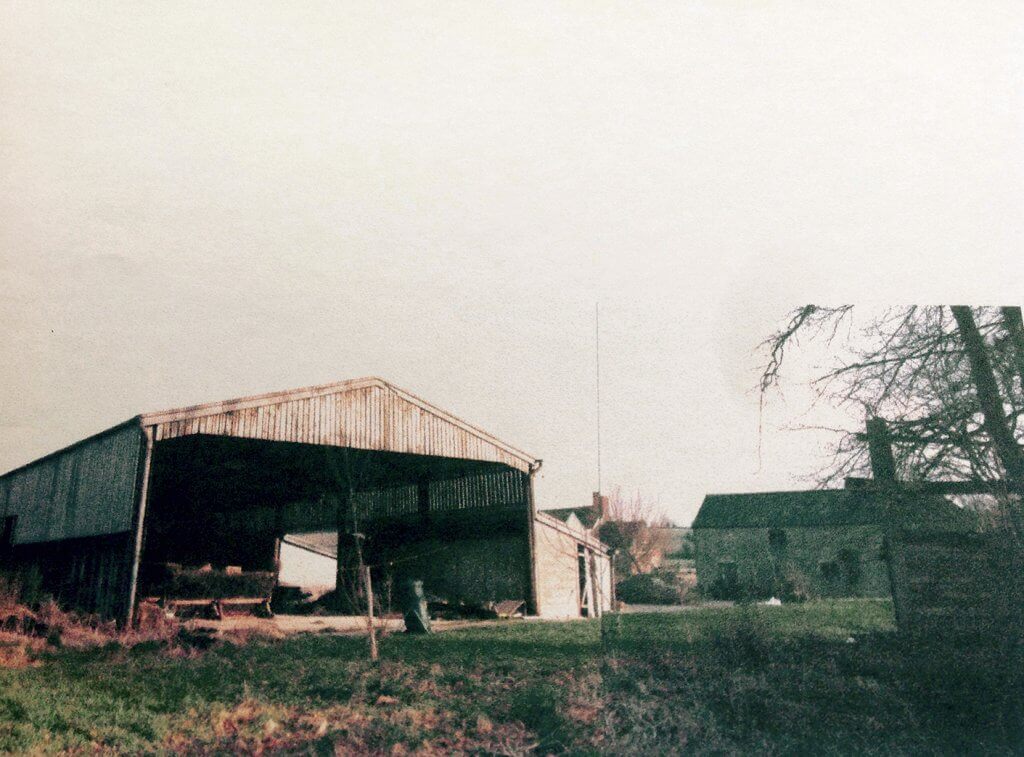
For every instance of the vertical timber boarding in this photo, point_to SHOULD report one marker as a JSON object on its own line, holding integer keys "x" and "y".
{"x": 139, "y": 522}
{"x": 945, "y": 582}
{"x": 75, "y": 510}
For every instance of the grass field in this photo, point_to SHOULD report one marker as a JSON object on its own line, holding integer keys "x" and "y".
{"x": 825, "y": 677}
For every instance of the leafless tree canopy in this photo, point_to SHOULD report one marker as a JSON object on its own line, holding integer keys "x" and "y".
{"x": 948, "y": 380}
{"x": 635, "y": 526}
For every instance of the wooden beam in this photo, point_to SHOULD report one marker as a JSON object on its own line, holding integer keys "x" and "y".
{"x": 140, "y": 523}
{"x": 533, "y": 605}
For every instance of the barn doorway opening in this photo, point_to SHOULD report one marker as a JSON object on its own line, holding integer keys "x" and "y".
{"x": 226, "y": 505}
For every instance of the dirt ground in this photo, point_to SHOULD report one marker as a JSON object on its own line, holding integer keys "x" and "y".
{"x": 352, "y": 625}
{"x": 647, "y": 609}
{"x": 342, "y": 625}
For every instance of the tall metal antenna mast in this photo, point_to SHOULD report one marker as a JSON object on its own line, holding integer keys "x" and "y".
{"x": 597, "y": 370}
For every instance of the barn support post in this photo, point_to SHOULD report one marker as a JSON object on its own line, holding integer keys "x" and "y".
{"x": 423, "y": 500}
{"x": 341, "y": 507}
{"x": 595, "y": 577}
{"x": 371, "y": 631}
{"x": 533, "y": 605}
{"x": 140, "y": 521}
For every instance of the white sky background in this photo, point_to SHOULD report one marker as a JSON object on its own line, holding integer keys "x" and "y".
{"x": 207, "y": 200}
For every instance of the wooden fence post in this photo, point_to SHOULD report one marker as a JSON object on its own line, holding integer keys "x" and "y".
{"x": 368, "y": 583}
{"x": 883, "y": 471}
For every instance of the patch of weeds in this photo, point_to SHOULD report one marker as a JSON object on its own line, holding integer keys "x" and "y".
{"x": 744, "y": 639}
{"x": 726, "y": 680}
{"x": 537, "y": 707}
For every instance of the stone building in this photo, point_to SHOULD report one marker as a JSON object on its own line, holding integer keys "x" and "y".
{"x": 827, "y": 543}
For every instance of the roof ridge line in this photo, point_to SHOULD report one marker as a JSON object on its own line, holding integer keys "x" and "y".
{"x": 780, "y": 491}
{"x": 318, "y": 390}
{"x": 239, "y": 403}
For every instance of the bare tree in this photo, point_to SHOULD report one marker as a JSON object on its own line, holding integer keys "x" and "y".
{"x": 948, "y": 380}
{"x": 635, "y": 527}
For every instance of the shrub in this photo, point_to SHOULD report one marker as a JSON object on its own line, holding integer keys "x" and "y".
{"x": 650, "y": 589}
{"x": 793, "y": 587}
{"x": 722, "y": 587}
{"x": 744, "y": 639}
{"x": 21, "y": 587}
{"x": 790, "y": 586}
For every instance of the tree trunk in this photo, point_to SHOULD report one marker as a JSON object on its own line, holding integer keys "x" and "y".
{"x": 1014, "y": 326}
{"x": 991, "y": 403}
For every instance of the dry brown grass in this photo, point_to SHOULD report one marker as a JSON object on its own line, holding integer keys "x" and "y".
{"x": 743, "y": 680}
{"x": 19, "y": 651}
{"x": 26, "y": 633}
{"x": 387, "y": 727}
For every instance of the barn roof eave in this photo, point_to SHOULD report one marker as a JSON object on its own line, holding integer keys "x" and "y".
{"x": 273, "y": 398}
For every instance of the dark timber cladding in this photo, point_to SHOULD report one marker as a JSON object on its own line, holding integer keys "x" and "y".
{"x": 72, "y": 513}
{"x": 220, "y": 482}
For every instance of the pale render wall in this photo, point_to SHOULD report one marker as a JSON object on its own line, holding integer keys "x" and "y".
{"x": 558, "y": 578}
{"x": 557, "y": 573}
{"x": 603, "y": 567}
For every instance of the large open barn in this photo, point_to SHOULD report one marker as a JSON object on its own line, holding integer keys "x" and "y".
{"x": 220, "y": 484}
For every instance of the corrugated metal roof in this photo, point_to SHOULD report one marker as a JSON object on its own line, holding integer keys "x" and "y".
{"x": 367, "y": 413}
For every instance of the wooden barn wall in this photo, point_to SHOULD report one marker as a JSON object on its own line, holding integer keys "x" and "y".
{"x": 87, "y": 575}
{"x": 471, "y": 570}
{"x": 506, "y": 488}
{"x": 85, "y": 490}
{"x": 958, "y": 585}
{"x": 371, "y": 417}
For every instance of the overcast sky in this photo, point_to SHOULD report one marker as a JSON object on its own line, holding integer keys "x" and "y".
{"x": 207, "y": 200}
